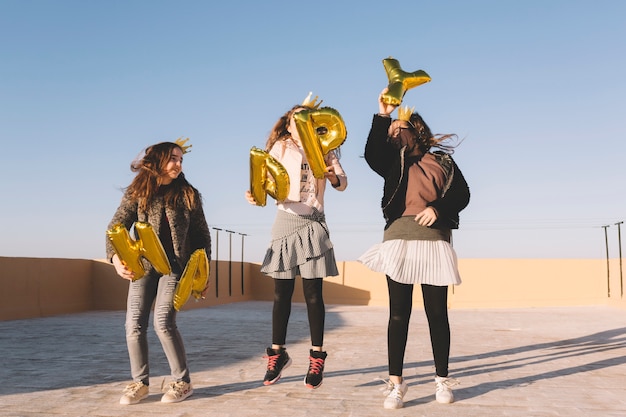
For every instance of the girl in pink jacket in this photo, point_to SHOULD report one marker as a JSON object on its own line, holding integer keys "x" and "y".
{"x": 300, "y": 246}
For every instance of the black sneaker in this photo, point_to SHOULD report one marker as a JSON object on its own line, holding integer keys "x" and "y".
{"x": 315, "y": 375}
{"x": 277, "y": 360}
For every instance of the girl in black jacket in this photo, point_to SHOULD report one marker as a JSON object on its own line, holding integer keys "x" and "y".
{"x": 423, "y": 194}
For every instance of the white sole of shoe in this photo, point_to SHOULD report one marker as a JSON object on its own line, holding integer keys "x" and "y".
{"x": 275, "y": 380}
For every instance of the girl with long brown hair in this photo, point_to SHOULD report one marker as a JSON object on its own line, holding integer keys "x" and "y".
{"x": 161, "y": 196}
{"x": 300, "y": 246}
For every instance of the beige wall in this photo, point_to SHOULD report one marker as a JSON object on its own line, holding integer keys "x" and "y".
{"x": 33, "y": 287}
{"x": 39, "y": 287}
{"x": 529, "y": 283}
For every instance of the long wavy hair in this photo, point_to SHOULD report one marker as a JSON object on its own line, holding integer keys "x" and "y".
{"x": 148, "y": 181}
{"x": 279, "y": 131}
{"x": 425, "y": 138}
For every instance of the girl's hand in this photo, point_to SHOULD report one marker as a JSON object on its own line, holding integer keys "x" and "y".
{"x": 121, "y": 269}
{"x": 250, "y": 198}
{"x": 204, "y": 292}
{"x": 331, "y": 176}
{"x": 426, "y": 217}
{"x": 384, "y": 109}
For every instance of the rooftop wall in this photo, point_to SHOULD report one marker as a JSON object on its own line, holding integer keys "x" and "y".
{"x": 40, "y": 287}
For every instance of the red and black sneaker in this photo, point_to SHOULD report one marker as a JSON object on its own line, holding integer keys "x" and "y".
{"x": 315, "y": 375}
{"x": 277, "y": 360}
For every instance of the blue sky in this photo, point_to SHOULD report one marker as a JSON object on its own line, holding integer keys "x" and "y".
{"x": 536, "y": 89}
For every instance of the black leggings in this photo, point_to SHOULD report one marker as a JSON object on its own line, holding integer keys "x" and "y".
{"x": 283, "y": 291}
{"x": 436, "y": 307}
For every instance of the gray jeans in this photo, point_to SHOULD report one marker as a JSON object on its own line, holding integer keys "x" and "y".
{"x": 157, "y": 289}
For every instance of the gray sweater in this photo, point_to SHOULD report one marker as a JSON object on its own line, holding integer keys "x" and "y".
{"x": 189, "y": 227}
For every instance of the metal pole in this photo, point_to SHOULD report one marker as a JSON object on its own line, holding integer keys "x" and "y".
{"x": 619, "y": 241}
{"x": 230, "y": 261}
{"x": 608, "y": 281}
{"x": 217, "y": 257}
{"x": 242, "y": 236}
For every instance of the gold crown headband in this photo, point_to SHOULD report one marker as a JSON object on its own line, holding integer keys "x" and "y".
{"x": 311, "y": 104}
{"x": 181, "y": 142}
{"x": 405, "y": 113}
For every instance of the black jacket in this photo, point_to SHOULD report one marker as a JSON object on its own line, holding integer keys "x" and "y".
{"x": 391, "y": 164}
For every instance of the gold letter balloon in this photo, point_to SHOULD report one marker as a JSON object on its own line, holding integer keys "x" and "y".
{"x": 277, "y": 186}
{"x": 131, "y": 251}
{"x": 321, "y": 131}
{"x": 194, "y": 279}
{"x": 400, "y": 81}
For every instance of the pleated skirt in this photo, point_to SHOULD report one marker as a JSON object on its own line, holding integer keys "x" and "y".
{"x": 300, "y": 246}
{"x": 414, "y": 254}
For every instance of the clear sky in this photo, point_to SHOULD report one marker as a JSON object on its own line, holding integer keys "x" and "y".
{"x": 536, "y": 89}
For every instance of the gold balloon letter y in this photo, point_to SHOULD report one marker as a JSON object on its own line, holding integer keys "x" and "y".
{"x": 400, "y": 81}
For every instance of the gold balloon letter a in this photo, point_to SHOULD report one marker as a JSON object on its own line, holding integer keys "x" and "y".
{"x": 320, "y": 132}
{"x": 400, "y": 81}
{"x": 194, "y": 279}
{"x": 131, "y": 251}
{"x": 262, "y": 163}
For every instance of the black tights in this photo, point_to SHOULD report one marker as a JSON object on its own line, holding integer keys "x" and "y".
{"x": 283, "y": 291}
{"x": 436, "y": 307}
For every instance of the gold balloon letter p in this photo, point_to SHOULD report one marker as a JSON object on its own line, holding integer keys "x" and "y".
{"x": 400, "y": 81}
{"x": 131, "y": 251}
{"x": 320, "y": 131}
{"x": 262, "y": 164}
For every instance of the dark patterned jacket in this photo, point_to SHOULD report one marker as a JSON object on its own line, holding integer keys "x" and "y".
{"x": 391, "y": 164}
{"x": 189, "y": 228}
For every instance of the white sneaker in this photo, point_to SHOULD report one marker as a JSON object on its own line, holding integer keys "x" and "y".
{"x": 395, "y": 394}
{"x": 177, "y": 392}
{"x": 134, "y": 392}
{"x": 443, "y": 393}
